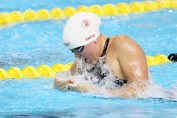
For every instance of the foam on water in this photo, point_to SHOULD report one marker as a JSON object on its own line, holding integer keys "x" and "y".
{"x": 157, "y": 91}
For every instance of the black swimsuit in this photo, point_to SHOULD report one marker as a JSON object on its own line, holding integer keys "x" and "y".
{"x": 100, "y": 73}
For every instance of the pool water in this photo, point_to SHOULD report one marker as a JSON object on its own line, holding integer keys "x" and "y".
{"x": 36, "y": 43}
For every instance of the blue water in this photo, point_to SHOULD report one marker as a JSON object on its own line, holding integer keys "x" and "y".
{"x": 36, "y": 43}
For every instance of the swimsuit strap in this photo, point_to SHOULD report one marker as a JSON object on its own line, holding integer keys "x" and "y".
{"x": 105, "y": 47}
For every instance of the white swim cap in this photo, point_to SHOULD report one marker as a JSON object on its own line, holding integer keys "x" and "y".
{"x": 81, "y": 29}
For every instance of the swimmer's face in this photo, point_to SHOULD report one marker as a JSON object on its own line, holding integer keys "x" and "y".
{"x": 89, "y": 53}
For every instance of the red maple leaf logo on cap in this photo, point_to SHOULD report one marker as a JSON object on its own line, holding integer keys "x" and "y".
{"x": 86, "y": 23}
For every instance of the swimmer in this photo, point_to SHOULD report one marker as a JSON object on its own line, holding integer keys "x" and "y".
{"x": 121, "y": 54}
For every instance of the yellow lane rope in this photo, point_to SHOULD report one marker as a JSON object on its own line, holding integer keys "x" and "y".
{"x": 49, "y": 72}
{"x": 103, "y": 11}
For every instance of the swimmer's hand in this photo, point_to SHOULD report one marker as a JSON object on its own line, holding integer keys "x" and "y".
{"x": 62, "y": 84}
{"x": 71, "y": 85}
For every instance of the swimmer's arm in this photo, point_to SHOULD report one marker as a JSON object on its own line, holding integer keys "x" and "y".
{"x": 132, "y": 60}
{"x": 126, "y": 91}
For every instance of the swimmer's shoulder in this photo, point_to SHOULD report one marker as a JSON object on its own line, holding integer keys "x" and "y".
{"x": 121, "y": 40}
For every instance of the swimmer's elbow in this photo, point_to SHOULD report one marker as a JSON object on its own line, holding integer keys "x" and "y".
{"x": 72, "y": 72}
{"x": 73, "y": 68}
{"x": 138, "y": 78}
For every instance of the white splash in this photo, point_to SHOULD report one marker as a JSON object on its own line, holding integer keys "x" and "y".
{"x": 157, "y": 91}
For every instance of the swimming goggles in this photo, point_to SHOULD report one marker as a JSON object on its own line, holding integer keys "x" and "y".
{"x": 78, "y": 49}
